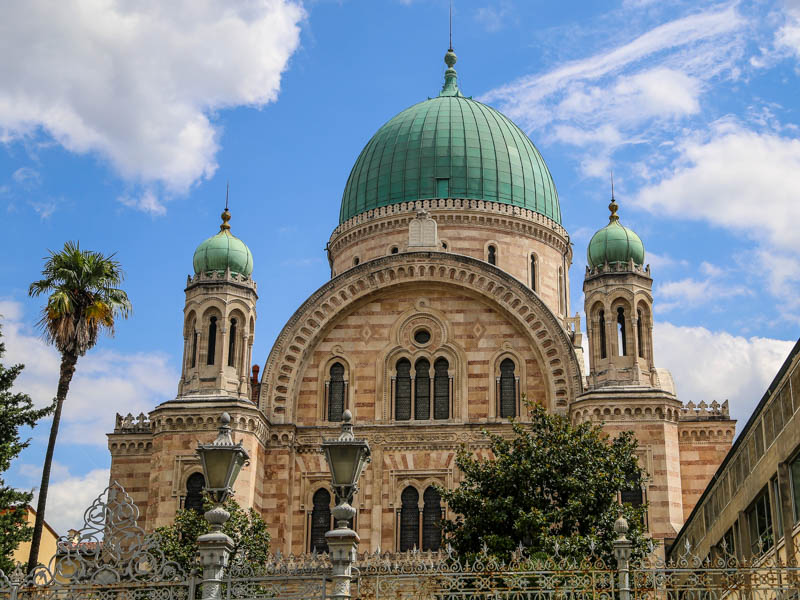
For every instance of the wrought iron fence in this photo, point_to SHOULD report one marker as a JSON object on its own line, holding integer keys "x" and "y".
{"x": 109, "y": 558}
{"x": 112, "y": 558}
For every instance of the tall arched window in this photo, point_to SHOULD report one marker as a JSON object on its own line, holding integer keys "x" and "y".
{"x": 194, "y": 492}
{"x": 431, "y": 517}
{"x": 336, "y": 392}
{"x": 508, "y": 389}
{"x": 232, "y": 343}
{"x": 639, "y": 337}
{"x": 212, "y": 340}
{"x": 622, "y": 345}
{"x": 533, "y": 272}
{"x": 441, "y": 389}
{"x": 320, "y": 520}
{"x": 422, "y": 391}
{"x": 402, "y": 390}
{"x": 492, "y": 255}
{"x": 409, "y": 519}
{"x": 562, "y": 304}
{"x": 194, "y": 345}
{"x": 602, "y": 318}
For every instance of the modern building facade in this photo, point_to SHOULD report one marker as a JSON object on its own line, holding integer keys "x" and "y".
{"x": 751, "y": 507}
{"x": 447, "y": 309}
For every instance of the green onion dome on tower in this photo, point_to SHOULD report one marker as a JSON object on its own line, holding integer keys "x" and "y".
{"x": 223, "y": 251}
{"x": 450, "y": 146}
{"x": 614, "y": 243}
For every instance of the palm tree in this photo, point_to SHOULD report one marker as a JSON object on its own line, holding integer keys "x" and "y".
{"x": 84, "y": 299}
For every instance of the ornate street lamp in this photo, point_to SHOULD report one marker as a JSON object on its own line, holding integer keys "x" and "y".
{"x": 346, "y": 458}
{"x": 222, "y": 460}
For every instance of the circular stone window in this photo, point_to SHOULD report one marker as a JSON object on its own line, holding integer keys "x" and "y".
{"x": 422, "y": 336}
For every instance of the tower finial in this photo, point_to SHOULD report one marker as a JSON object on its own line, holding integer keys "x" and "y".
{"x": 613, "y": 206}
{"x": 451, "y": 26}
{"x": 226, "y": 214}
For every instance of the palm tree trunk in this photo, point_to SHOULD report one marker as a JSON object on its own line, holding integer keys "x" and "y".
{"x": 68, "y": 361}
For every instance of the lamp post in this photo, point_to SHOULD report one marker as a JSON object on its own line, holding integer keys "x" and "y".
{"x": 222, "y": 460}
{"x": 346, "y": 458}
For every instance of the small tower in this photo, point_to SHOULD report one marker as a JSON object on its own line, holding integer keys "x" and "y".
{"x": 219, "y": 319}
{"x": 619, "y": 307}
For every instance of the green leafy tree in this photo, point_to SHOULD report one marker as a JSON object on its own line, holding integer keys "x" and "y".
{"x": 245, "y": 527}
{"x": 549, "y": 485}
{"x": 16, "y": 410}
{"x": 84, "y": 299}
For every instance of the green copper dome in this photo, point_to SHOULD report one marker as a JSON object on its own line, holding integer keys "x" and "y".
{"x": 614, "y": 243}
{"x": 223, "y": 251}
{"x": 450, "y": 147}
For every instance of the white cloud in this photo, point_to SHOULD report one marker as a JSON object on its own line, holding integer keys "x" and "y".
{"x": 632, "y": 94}
{"x": 136, "y": 83}
{"x": 709, "y": 365}
{"x": 493, "y": 18}
{"x": 26, "y": 176}
{"x": 69, "y": 496}
{"x": 787, "y": 38}
{"x": 147, "y": 202}
{"x": 737, "y": 179}
{"x": 105, "y": 382}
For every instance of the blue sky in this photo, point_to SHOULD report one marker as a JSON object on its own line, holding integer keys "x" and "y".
{"x": 120, "y": 125}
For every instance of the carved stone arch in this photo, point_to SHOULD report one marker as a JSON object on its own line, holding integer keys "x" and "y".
{"x": 323, "y": 378}
{"x": 284, "y": 365}
{"x": 402, "y": 484}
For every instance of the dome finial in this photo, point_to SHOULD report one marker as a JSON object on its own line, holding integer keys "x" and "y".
{"x": 226, "y": 214}
{"x": 450, "y": 87}
{"x": 613, "y": 206}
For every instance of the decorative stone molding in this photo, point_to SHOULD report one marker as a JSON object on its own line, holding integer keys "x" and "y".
{"x": 131, "y": 424}
{"x": 629, "y": 267}
{"x": 299, "y": 337}
{"x": 623, "y": 405}
{"x": 221, "y": 277}
{"x": 705, "y": 412}
{"x": 452, "y": 211}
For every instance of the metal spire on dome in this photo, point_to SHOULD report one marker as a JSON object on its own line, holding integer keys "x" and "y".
{"x": 613, "y": 206}
{"x": 226, "y": 214}
{"x": 450, "y": 87}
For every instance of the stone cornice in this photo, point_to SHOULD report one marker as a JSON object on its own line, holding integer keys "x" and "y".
{"x": 453, "y": 211}
{"x": 523, "y": 306}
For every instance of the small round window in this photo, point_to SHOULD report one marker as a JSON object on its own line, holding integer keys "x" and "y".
{"x": 422, "y": 336}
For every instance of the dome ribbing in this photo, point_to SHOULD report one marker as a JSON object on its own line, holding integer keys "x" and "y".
{"x": 450, "y": 147}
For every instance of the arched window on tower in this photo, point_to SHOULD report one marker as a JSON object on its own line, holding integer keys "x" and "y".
{"x": 533, "y": 272}
{"x": 508, "y": 389}
{"x": 194, "y": 346}
{"x": 441, "y": 389}
{"x": 639, "y": 337}
{"x": 622, "y": 343}
{"x": 422, "y": 395}
{"x": 232, "y": 343}
{"x": 431, "y": 519}
{"x": 402, "y": 390}
{"x": 336, "y": 392}
{"x": 562, "y": 303}
{"x": 212, "y": 340}
{"x": 601, "y": 316}
{"x": 194, "y": 492}
{"x": 320, "y": 520}
{"x": 492, "y": 255}
{"x": 409, "y": 519}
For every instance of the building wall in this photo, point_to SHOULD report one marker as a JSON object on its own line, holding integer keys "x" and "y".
{"x": 47, "y": 547}
{"x": 516, "y": 234}
{"x": 763, "y": 453}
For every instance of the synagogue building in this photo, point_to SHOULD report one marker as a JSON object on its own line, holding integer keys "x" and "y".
{"x": 448, "y": 308}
